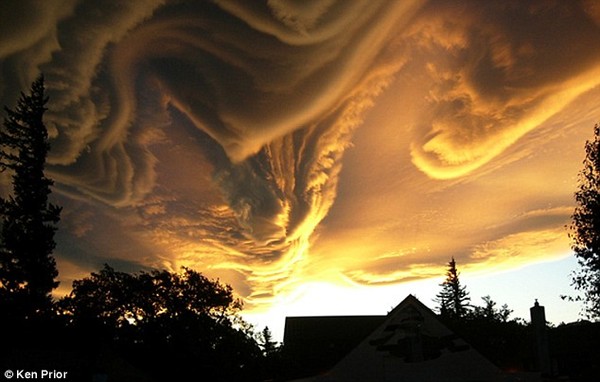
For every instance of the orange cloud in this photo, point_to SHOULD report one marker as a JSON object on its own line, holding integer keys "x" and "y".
{"x": 283, "y": 144}
{"x": 490, "y": 87}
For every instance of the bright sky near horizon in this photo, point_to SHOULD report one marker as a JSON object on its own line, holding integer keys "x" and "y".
{"x": 315, "y": 155}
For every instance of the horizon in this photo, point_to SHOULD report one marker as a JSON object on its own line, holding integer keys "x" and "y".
{"x": 558, "y": 311}
{"x": 315, "y": 155}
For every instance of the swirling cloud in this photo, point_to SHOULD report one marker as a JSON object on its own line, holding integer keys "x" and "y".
{"x": 269, "y": 94}
{"x": 499, "y": 78}
{"x": 277, "y": 142}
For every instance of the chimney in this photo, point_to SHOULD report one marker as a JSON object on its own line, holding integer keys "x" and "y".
{"x": 538, "y": 322}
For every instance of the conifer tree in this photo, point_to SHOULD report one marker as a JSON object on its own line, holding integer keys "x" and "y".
{"x": 453, "y": 298}
{"x": 585, "y": 228}
{"x": 28, "y": 221}
{"x": 266, "y": 342}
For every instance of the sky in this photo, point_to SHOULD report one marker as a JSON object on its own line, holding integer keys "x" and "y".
{"x": 321, "y": 156}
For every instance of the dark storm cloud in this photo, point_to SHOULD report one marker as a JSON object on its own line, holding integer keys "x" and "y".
{"x": 244, "y": 74}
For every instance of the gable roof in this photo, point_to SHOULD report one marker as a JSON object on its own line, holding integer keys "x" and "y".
{"x": 318, "y": 328}
{"x": 412, "y": 345}
{"x": 316, "y": 344}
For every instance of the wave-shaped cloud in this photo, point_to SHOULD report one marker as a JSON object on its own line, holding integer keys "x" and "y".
{"x": 213, "y": 133}
{"x": 274, "y": 91}
{"x": 507, "y": 68}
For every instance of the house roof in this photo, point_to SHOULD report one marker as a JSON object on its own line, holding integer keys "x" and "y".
{"x": 316, "y": 344}
{"x": 299, "y": 330}
{"x": 411, "y": 344}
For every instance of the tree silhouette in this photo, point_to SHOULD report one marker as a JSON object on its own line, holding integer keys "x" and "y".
{"x": 165, "y": 323}
{"x": 490, "y": 312}
{"x": 453, "y": 299}
{"x": 266, "y": 342}
{"x": 585, "y": 228}
{"x": 27, "y": 268}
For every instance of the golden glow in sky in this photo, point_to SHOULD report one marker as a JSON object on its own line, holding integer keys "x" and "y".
{"x": 293, "y": 149}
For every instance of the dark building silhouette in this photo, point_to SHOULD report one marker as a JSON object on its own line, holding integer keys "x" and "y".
{"x": 313, "y": 345}
{"x": 540, "y": 332}
{"x": 409, "y": 344}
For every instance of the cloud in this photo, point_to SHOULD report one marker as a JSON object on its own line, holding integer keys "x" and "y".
{"x": 272, "y": 99}
{"x": 28, "y": 33}
{"x": 114, "y": 71}
{"x": 508, "y": 252}
{"x": 495, "y": 82}
{"x": 277, "y": 142}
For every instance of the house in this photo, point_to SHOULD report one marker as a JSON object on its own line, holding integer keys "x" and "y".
{"x": 409, "y": 344}
{"x": 313, "y": 345}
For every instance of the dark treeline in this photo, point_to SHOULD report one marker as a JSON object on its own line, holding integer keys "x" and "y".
{"x": 149, "y": 326}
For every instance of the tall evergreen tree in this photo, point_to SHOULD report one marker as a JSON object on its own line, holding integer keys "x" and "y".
{"x": 27, "y": 268}
{"x": 585, "y": 228}
{"x": 453, "y": 298}
{"x": 266, "y": 342}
